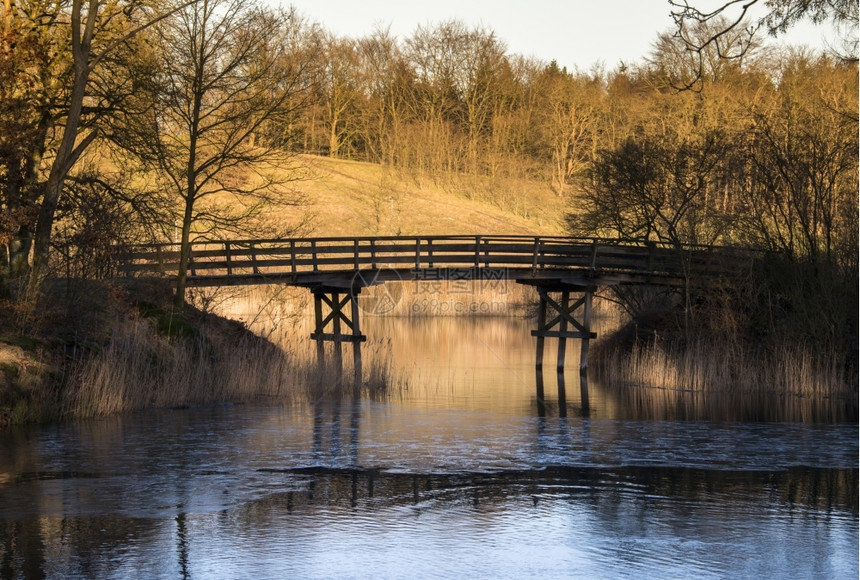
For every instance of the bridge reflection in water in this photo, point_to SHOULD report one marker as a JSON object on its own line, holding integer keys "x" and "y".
{"x": 565, "y": 272}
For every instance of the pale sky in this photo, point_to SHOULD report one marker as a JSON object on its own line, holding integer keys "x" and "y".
{"x": 576, "y": 33}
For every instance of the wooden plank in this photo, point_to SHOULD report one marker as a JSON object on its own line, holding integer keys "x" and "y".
{"x": 328, "y": 336}
{"x": 565, "y": 334}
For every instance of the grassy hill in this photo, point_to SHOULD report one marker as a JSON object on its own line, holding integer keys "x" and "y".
{"x": 350, "y": 198}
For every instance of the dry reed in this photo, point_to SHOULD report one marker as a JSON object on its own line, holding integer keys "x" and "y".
{"x": 702, "y": 366}
{"x": 141, "y": 369}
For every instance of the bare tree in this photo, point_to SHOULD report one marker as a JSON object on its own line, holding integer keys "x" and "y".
{"x": 434, "y": 55}
{"x": 25, "y": 117}
{"x": 339, "y": 92}
{"x": 653, "y": 189}
{"x": 457, "y": 74}
{"x": 733, "y": 25}
{"x": 568, "y": 121}
{"x": 478, "y": 86}
{"x": 802, "y": 155}
{"x": 380, "y": 61}
{"x": 228, "y": 68}
{"x": 69, "y": 42}
{"x": 679, "y": 66}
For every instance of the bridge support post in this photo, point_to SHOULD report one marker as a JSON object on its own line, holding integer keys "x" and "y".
{"x": 562, "y": 328}
{"x": 541, "y": 402}
{"x": 569, "y": 319}
{"x": 583, "y": 353}
{"x": 565, "y": 313}
{"x": 357, "y": 339}
{"x": 562, "y": 394}
{"x": 333, "y": 306}
{"x": 541, "y": 322}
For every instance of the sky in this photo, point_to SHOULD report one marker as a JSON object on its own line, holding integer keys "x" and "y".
{"x": 575, "y": 33}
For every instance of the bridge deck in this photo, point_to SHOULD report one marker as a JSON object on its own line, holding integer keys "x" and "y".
{"x": 364, "y": 261}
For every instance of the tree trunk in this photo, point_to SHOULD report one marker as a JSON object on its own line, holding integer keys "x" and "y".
{"x": 69, "y": 150}
{"x": 184, "y": 256}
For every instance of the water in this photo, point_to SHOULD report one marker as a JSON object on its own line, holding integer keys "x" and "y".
{"x": 456, "y": 475}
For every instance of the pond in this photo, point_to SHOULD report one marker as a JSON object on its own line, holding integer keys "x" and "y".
{"x": 458, "y": 472}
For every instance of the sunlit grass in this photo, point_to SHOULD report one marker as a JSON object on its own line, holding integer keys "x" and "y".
{"x": 351, "y": 198}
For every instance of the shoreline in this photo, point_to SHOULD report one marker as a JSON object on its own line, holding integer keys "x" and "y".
{"x": 123, "y": 350}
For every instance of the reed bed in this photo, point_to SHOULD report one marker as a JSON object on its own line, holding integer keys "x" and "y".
{"x": 702, "y": 366}
{"x": 139, "y": 369}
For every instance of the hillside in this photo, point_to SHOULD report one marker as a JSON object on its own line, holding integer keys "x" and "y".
{"x": 350, "y": 198}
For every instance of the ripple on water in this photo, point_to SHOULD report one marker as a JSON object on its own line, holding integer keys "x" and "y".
{"x": 385, "y": 491}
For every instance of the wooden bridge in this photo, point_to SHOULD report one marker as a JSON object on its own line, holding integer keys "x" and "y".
{"x": 334, "y": 262}
{"x": 336, "y": 270}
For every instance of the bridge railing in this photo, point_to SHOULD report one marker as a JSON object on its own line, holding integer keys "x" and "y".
{"x": 277, "y": 258}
